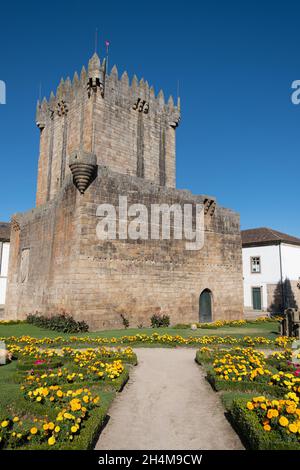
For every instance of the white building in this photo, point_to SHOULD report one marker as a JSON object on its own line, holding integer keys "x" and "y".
{"x": 4, "y": 254}
{"x": 271, "y": 270}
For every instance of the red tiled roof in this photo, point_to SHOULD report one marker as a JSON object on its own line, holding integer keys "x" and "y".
{"x": 4, "y": 231}
{"x": 266, "y": 236}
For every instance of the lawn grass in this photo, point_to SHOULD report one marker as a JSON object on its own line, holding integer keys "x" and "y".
{"x": 268, "y": 330}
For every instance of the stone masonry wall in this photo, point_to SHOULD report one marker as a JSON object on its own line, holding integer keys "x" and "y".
{"x": 58, "y": 264}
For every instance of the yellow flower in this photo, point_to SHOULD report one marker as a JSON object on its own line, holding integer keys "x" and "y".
{"x": 293, "y": 428}
{"x": 291, "y": 409}
{"x": 250, "y": 405}
{"x": 33, "y": 430}
{"x": 38, "y": 398}
{"x": 51, "y": 426}
{"x": 267, "y": 427}
{"x": 4, "y": 423}
{"x": 51, "y": 441}
{"x": 59, "y": 393}
{"x": 45, "y": 427}
{"x": 272, "y": 414}
{"x": 16, "y": 419}
{"x": 57, "y": 429}
{"x": 74, "y": 429}
{"x": 283, "y": 421}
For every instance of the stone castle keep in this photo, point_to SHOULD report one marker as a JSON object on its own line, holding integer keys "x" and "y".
{"x": 101, "y": 137}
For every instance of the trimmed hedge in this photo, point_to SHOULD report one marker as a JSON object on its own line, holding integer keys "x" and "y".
{"x": 252, "y": 433}
{"x": 126, "y": 360}
{"x": 244, "y": 386}
{"x": 204, "y": 358}
{"x": 121, "y": 381}
{"x": 48, "y": 364}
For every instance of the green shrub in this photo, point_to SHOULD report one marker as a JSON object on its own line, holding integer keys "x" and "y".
{"x": 60, "y": 322}
{"x": 252, "y": 433}
{"x": 125, "y": 320}
{"x": 158, "y": 321}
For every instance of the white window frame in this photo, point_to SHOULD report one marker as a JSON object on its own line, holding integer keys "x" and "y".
{"x": 251, "y": 264}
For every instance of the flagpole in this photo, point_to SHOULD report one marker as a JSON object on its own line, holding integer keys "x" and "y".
{"x": 107, "y": 44}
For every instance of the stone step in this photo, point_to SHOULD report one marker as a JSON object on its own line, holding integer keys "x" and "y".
{"x": 253, "y": 314}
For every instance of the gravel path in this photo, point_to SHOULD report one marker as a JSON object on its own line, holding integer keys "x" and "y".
{"x": 167, "y": 404}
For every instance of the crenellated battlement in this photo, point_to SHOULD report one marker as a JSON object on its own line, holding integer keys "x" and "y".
{"x": 124, "y": 124}
{"x": 138, "y": 94}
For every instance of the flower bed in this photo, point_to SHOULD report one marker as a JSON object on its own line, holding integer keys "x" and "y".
{"x": 263, "y": 423}
{"x": 141, "y": 339}
{"x": 286, "y": 380}
{"x": 61, "y": 407}
{"x": 241, "y": 364}
{"x": 231, "y": 323}
{"x": 101, "y": 354}
{"x": 241, "y": 369}
{"x": 72, "y": 408}
{"x": 268, "y": 424}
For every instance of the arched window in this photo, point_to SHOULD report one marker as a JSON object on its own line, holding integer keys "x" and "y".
{"x": 205, "y": 306}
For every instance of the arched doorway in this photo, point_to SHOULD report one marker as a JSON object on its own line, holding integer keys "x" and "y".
{"x": 205, "y": 306}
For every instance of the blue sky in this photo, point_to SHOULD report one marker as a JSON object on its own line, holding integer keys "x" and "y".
{"x": 239, "y": 137}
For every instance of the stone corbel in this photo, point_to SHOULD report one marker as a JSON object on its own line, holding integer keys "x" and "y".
{"x": 174, "y": 119}
{"x": 83, "y": 166}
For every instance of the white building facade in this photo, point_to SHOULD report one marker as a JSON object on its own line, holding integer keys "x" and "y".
{"x": 271, "y": 270}
{"x": 4, "y": 256}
